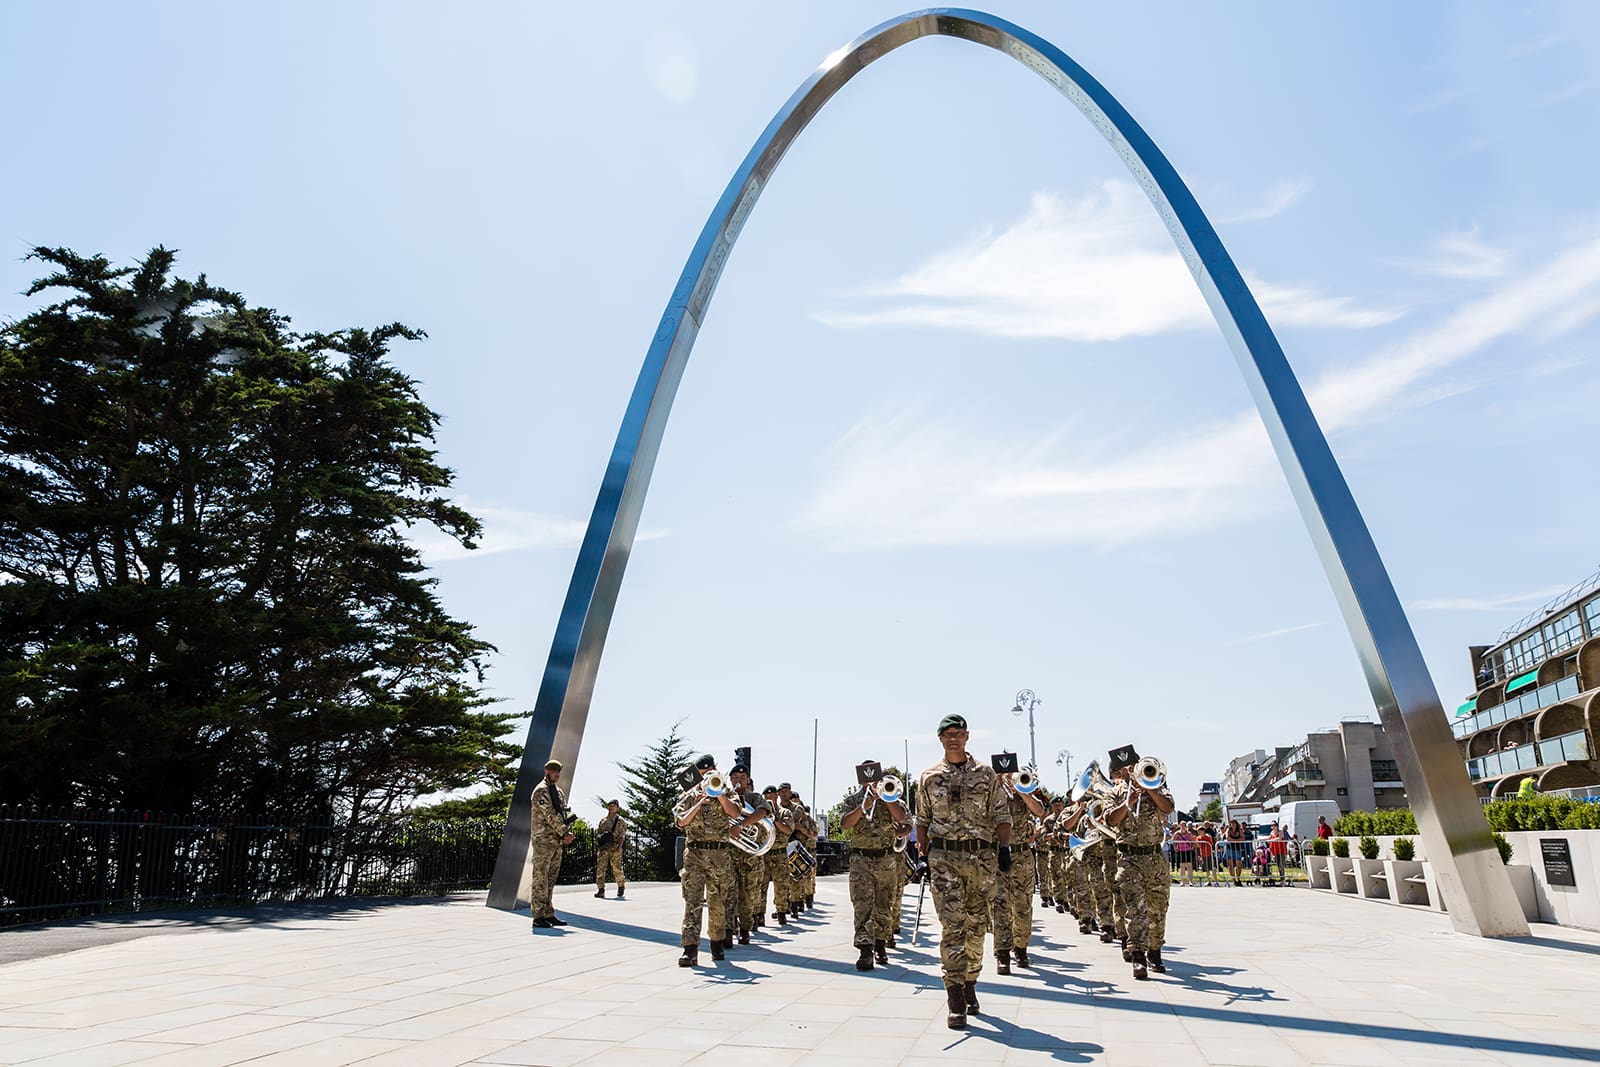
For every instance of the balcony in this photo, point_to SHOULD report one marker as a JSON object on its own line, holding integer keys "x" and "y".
{"x": 1311, "y": 774}
{"x": 1563, "y": 749}
{"x": 1534, "y": 699}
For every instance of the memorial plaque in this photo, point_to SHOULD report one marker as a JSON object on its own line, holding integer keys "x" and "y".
{"x": 1557, "y": 853}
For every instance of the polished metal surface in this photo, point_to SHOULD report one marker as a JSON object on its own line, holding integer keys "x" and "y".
{"x": 1467, "y": 866}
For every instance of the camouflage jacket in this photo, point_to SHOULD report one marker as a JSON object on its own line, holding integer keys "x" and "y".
{"x": 875, "y": 830}
{"x": 710, "y": 823}
{"x": 962, "y": 801}
{"x": 805, "y": 827}
{"x": 1024, "y": 830}
{"x": 616, "y": 825}
{"x": 547, "y": 820}
{"x": 1145, "y": 826}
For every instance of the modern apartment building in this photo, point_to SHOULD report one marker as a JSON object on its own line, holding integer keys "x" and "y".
{"x": 1351, "y": 765}
{"x": 1537, "y": 707}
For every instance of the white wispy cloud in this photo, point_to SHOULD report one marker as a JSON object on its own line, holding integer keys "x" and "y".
{"x": 1463, "y": 254}
{"x": 914, "y": 477}
{"x": 1280, "y": 198}
{"x": 1487, "y": 603}
{"x": 507, "y": 530}
{"x": 1097, "y": 268}
{"x": 1435, "y": 101}
{"x": 1281, "y": 633}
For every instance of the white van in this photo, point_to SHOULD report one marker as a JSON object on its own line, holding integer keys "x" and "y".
{"x": 1299, "y": 817}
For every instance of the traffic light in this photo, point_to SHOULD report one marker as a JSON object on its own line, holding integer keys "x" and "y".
{"x": 742, "y": 755}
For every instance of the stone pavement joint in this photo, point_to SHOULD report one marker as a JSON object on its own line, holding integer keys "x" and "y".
{"x": 1259, "y": 977}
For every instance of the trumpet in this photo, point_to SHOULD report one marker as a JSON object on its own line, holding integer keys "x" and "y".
{"x": 888, "y": 789}
{"x": 1149, "y": 773}
{"x": 708, "y": 788}
{"x": 1026, "y": 781}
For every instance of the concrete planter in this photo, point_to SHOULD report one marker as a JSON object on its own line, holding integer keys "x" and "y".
{"x": 1522, "y": 881}
{"x": 1317, "y": 872}
{"x": 1372, "y": 882}
{"x": 1342, "y": 872}
{"x": 1401, "y": 889}
{"x": 1435, "y": 901}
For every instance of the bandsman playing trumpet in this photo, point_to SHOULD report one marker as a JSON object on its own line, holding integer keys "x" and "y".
{"x": 1013, "y": 902}
{"x": 1144, "y": 878}
{"x": 964, "y": 830}
{"x": 877, "y": 820}
{"x": 748, "y": 898}
{"x": 777, "y": 857}
{"x": 710, "y": 823}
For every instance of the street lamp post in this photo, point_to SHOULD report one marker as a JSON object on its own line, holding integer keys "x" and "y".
{"x": 1026, "y": 699}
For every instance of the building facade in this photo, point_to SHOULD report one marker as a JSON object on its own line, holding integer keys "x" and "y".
{"x": 1538, "y": 698}
{"x": 1352, "y": 765}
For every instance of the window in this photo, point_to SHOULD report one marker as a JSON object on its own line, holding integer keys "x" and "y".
{"x": 1385, "y": 770}
{"x": 1526, "y": 652}
{"x": 1563, "y": 633}
{"x": 1591, "y": 612}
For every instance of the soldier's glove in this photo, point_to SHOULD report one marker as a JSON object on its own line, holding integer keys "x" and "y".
{"x": 1005, "y": 858}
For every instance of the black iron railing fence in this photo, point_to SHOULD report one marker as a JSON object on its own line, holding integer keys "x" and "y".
{"x": 70, "y": 862}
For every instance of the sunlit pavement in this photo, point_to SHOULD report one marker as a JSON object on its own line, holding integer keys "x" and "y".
{"x": 1256, "y": 976}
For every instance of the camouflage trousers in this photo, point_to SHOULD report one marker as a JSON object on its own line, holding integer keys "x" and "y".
{"x": 777, "y": 874}
{"x": 1145, "y": 884}
{"x": 1013, "y": 902}
{"x": 1107, "y": 902}
{"x": 546, "y": 867}
{"x": 964, "y": 885}
{"x": 749, "y": 892}
{"x": 872, "y": 896}
{"x": 1063, "y": 870}
{"x": 1041, "y": 859}
{"x": 609, "y": 863}
{"x": 808, "y": 884}
{"x": 1076, "y": 876}
{"x": 708, "y": 876}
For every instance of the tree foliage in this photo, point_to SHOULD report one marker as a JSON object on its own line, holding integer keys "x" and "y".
{"x": 207, "y": 595}
{"x": 650, "y": 786}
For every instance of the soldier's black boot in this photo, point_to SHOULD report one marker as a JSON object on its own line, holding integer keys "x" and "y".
{"x": 1139, "y": 970}
{"x": 716, "y": 950}
{"x": 620, "y": 891}
{"x": 957, "y": 1000}
{"x": 1154, "y": 955}
{"x": 811, "y": 902}
{"x": 1002, "y": 961}
{"x": 744, "y": 937}
{"x": 864, "y": 961}
{"x": 1127, "y": 956}
{"x": 1084, "y": 927}
{"x": 1022, "y": 957}
{"x": 556, "y": 920}
{"x": 969, "y": 992}
{"x": 1106, "y": 936}
{"x": 601, "y": 892}
{"x": 690, "y": 957}
{"x": 781, "y": 917}
{"x": 880, "y": 949}
{"x": 1061, "y": 907}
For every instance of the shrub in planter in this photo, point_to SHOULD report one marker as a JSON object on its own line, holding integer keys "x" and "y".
{"x": 1369, "y": 848}
{"x": 1341, "y": 847}
{"x": 1404, "y": 848}
{"x": 1319, "y": 847}
{"x": 1504, "y": 846}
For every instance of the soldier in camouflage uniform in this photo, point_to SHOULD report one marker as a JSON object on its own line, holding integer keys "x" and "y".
{"x": 1144, "y": 877}
{"x": 609, "y": 859}
{"x": 1075, "y": 871}
{"x": 707, "y": 865}
{"x": 803, "y": 892}
{"x": 875, "y": 868}
{"x": 1013, "y": 904}
{"x": 964, "y": 830}
{"x": 777, "y": 872}
{"x": 1056, "y": 836}
{"x": 549, "y": 833}
{"x": 746, "y": 902}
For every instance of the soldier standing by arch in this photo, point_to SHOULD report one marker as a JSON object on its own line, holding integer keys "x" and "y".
{"x": 609, "y": 834}
{"x": 964, "y": 830}
{"x": 549, "y": 831}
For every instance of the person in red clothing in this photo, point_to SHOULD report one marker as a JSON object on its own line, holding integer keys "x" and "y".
{"x": 1324, "y": 831}
{"x": 1278, "y": 850}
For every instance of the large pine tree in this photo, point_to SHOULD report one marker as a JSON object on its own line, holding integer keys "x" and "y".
{"x": 208, "y": 602}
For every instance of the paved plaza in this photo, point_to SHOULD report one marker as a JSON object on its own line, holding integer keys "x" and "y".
{"x": 1256, "y": 976}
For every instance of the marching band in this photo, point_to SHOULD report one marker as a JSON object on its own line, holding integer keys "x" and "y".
{"x": 984, "y": 837}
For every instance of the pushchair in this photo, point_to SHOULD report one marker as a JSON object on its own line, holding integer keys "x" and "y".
{"x": 1261, "y": 864}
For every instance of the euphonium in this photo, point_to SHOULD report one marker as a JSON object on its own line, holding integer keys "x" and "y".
{"x": 757, "y": 837}
{"x": 1092, "y": 782}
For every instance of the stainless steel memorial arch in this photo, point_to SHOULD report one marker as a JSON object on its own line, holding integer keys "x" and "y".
{"x": 1471, "y": 878}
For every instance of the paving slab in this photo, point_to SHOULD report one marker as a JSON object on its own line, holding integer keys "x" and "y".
{"x": 1256, "y": 976}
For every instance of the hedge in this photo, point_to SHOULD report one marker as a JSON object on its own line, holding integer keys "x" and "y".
{"x": 1512, "y": 813}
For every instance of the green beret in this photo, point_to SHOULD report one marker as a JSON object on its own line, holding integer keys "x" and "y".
{"x": 952, "y": 720}
{"x": 552, "y": 765}
{"x": 705, "y": 761}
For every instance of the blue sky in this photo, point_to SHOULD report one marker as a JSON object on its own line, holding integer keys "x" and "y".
{"x": 958, "y": 422}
